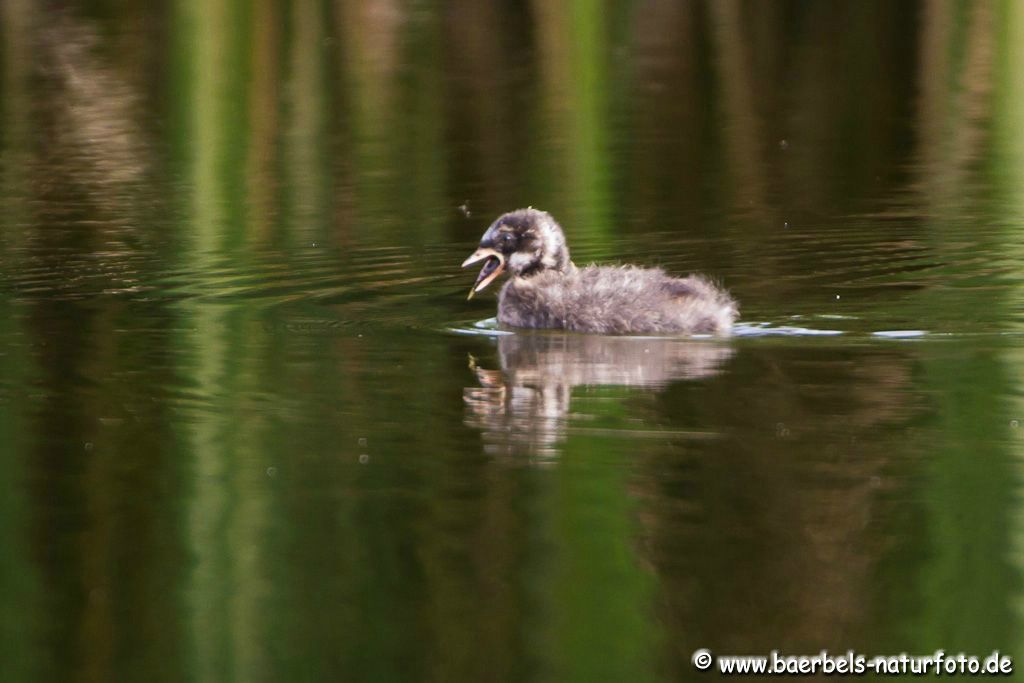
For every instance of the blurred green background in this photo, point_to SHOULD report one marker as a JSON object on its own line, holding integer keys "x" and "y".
{"x": 250, "y": 429}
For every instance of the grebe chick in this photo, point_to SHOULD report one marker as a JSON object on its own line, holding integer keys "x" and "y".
{"x": 547, "y": 290}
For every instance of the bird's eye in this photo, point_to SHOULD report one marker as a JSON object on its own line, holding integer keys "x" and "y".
{"x": 506, "y": 237}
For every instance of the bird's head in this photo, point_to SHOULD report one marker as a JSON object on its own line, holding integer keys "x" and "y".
{"x": 523, "y": 242}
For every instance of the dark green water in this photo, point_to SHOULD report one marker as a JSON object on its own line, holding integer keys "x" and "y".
{"x": 250, "y": 428}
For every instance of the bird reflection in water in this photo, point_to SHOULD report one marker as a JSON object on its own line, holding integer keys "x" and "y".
{"x": 524, "y": 407}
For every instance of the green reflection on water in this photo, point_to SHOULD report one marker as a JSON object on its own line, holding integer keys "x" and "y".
{"x": 18, "y": 626}
{"x": 238, "y": 444}
{"x": 1008, "y": 176}
{"x": 599, "y": 599}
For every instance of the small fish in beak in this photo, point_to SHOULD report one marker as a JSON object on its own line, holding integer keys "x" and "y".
{"x": 494, "y": 265}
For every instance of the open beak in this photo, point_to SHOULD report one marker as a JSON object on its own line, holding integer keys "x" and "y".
{"x": 494, "y": 264}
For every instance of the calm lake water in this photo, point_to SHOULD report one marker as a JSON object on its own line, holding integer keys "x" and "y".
{"x": 251, "y": 429}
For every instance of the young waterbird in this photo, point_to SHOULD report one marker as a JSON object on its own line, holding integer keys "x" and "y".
{"x": 547, "y": 290}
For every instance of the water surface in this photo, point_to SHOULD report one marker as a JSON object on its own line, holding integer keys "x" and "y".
{"x": 251, "y": 429}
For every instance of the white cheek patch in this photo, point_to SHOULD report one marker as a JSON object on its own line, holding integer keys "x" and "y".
{"x": 553, "y": 241}
{"x": 520, "y": 261}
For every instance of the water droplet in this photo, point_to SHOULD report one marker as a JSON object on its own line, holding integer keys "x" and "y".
{"x": 1015, "y": 423}
{"x": 271, "y": 471}
{"x": 362, "y": 441}
{"x": 88, "y": 445}
{"x": 363, "y": 458}
{"x": 783, "y": 144}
